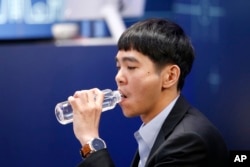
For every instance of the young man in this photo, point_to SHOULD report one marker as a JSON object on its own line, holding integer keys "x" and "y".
{"x": 154, "y": 57}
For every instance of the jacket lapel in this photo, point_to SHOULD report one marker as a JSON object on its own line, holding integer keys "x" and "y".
{"x": 175, "y": 116}
{"x": 136, "y": 160}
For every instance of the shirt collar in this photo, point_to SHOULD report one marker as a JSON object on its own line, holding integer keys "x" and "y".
{"x": 150, "y": 131}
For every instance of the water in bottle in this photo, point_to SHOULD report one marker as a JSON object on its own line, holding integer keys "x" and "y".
{"x": 64, "y": 112}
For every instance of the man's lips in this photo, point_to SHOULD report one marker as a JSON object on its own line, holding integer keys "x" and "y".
{"x": 123, "y": 95}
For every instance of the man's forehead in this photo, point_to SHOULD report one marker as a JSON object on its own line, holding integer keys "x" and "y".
{"x": 128, "y": 56}
{"x": 126, "y": 59}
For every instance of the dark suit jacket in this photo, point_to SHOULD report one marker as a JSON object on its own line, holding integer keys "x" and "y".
{"x": 186, "y": 139}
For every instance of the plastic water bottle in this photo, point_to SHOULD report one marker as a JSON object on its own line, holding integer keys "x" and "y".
{"x": 64, "y": 112}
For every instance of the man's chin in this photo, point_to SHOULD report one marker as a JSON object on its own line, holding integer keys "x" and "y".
{"x": 129, "y": 114}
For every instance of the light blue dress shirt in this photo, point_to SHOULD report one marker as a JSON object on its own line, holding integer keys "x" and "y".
{"x": 147, "y": 134}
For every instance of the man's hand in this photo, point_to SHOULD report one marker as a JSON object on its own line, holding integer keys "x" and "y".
{"x": 87, "y": 108}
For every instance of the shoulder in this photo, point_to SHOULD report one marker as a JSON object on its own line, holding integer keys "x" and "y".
{"x": 190, "y": 123}
{"x": 191, "y": 119}
{"x": 195, "y": 140}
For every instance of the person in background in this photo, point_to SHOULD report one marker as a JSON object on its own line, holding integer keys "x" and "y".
{"x": 153, "y": 59}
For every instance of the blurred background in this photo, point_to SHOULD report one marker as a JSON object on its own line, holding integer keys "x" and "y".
{"x": 51, "y": 48}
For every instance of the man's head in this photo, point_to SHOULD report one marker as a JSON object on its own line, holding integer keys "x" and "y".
{"x": 153, "y": 60}
{"x": 163, "y": 41}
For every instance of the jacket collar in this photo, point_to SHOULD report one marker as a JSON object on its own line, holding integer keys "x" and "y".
{"x": 175, "y": 116}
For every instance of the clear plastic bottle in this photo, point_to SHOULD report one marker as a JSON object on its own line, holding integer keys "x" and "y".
{"x": 64, "y": 112}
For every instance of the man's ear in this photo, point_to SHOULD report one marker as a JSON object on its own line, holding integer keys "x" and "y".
{"x": 170, "y": 74}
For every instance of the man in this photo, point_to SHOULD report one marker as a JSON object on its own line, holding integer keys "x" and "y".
{"x": 154, "y": 57}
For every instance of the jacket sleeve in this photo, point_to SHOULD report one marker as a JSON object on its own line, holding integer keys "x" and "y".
{"x": 97, "y": 159}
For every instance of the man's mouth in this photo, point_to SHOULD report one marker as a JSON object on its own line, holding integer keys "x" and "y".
{"x": 123, "y": 95}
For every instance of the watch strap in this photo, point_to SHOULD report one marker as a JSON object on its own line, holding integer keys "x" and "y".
{"x": 87, "y": 149}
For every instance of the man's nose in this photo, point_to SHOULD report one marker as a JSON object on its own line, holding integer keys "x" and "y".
{"x": 119, "y": 78}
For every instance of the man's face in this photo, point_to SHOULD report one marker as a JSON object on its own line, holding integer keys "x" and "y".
{"x": 139, "y": 84}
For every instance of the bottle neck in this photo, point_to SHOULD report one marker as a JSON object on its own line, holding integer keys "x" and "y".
{"x": 117, "y": 95}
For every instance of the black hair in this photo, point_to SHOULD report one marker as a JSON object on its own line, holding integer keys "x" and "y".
{"x": 163, "y": 41}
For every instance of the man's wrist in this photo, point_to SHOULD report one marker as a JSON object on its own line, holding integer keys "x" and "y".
{"x": 86, "y": 138}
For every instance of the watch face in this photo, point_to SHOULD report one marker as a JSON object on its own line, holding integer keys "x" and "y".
{"x": 98, "y": 144}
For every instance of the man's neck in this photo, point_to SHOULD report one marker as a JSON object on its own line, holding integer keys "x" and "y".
{"x": 165, "y": 99}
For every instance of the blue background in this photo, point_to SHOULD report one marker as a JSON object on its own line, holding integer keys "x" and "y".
{"x": 35, "y": 76}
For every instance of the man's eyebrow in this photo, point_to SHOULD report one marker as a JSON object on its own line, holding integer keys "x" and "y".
{"x": 127, "y": 59}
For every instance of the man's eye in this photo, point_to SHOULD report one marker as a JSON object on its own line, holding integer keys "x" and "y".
{"x": 118, "y": 67}
{"x": 131, "y": 67}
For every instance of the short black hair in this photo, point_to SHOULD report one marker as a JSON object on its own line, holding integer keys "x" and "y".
{"x": 163, "y": 41}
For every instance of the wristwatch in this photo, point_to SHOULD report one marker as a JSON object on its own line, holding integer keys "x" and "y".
{"x": 92, "y": 146}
